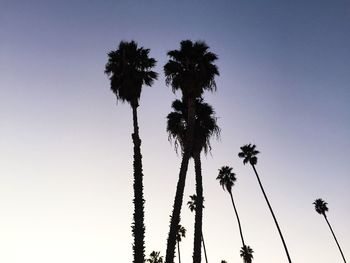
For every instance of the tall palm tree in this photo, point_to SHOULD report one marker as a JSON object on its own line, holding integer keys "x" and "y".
{"x": 181, "y": 232}
{"x": 205, "y": 127}
{"x": 247, "y": 254}
{"x": 190, "y": 69}
{"x": 129, "y": 68}
{"x": 321, "y": 208}
{"x": 154, "y": 257}
{"x": 248, "y": 153}
{"x": 192, "y": 206}
{"x": 227, "y": 179}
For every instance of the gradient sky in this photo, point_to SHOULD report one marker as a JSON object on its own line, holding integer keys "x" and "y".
{"x": 66, "y": 149}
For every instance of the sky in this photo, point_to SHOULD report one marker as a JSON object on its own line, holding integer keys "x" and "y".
{"x": 65, "y": 142}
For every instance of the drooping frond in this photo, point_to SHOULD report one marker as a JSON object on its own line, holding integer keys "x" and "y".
{"x": 320, "y": 206}
{"x": 226, "y": 178}
{"x": 248, "y": 153}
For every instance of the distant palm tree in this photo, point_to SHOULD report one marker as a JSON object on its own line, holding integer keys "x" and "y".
{"x": 321, "y": 208}
{"x": 181, "y": 232}
{"x": 155, "y": 258}
{"x": 191, "y": 70}
{"x": 129, "y": 67}
{"x": 227, "y": 180}
{"x": 247, "y": 254}
{"x": 248, "y": 153}
{"x": 192, "y": 206}
{"x": 205, "y": 127}
{"x": 223, "y": 261}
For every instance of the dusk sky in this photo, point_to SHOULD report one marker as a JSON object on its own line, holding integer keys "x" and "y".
{"x": 66, "y": 149}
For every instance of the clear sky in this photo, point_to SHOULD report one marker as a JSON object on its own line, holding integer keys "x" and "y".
{"x": 66, "y": 149}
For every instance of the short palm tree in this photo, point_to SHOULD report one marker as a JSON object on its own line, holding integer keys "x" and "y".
{"x": 129, "y": 68}
{"x": 205, "y": 127}
{"x": 247, "y": 254}
{"x": 223, "y": 261}
{"x": 190, "y": 69}
{"x": 181, "y": 232}
{"x": 227, "y": 180}
{"x": 248, "y": 153}
{"x": 192, "y": 206}
{"x": 154, "y": 257}
{"x": 321, "y": 208}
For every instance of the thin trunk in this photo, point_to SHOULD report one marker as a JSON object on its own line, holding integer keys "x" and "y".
{"x": 175, "y": 217}
{"x": 273, "y": 215}
{"x": 197, "y": 249}
{"x": 341, "y": 252}
{"x": 205, "y": 251}
{"x": 178, "y": 251}
{"x": 239, "y": 222}
{"x": 138, "y": 227}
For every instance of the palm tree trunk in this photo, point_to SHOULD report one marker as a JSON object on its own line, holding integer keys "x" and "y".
{"x": 138, "y": 227}
{"x": 341, "y": 252}
{"x": 273, "y": 215}
{"x": 178, "y": 251}
{"x": 205, "y": 251}
{"x": 197, "y": 249}
{"x": 175, "y": 217}
{"x": 239, "y": 222}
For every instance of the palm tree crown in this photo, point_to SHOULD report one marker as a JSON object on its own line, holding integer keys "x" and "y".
{"x": 192, "y": 204}
{"x": 191, "y": 69}
{"x": 248, "y": 153}
{"x": 205, "y": 125}
{"x": 247, "y": 254}
{"x": 226, "y": 178}
{"x": 320, "y": 206}
{"x": 129, "y": 67}
{"x": 181, "y": 232}
{"x": 155, "y": 257}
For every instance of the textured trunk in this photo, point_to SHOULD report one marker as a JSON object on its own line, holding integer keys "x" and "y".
{"x": 341, "y": 252}
{"x": 138, "y": 227}
{"x": 273, "y": 215}
{"x": 205, "y": 251}
{"x": 175, "y": 217}
{"x": 178, "y": 251}
{"x": 239, "y": 222}
{"x": 197, "y": 249}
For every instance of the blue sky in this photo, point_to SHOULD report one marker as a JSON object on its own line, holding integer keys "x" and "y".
{"x": 65, "y": 144}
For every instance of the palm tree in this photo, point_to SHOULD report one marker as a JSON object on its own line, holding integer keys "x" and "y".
{"x": 205, "y": 127}
{"x": 247, "y": 254}
{"x": 129, "y": 68}
{"x": 248, "y": 153}
{"x": 191, "y": 70}
{"x": 181, "y": 232}
{"x": 223, "y": 261}
{"x": 227, "y": 180}
{"x": 192, "y": 206}
{"x": 154, "y": 257}
{"x": 321, "y": 208}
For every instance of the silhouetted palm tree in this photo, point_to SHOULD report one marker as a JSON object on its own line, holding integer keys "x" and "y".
{"x": 191, "y": 70}
{"x": 129, "y": 67}
{"x": 192, "y": 206}
{"x": 154, "y": 257}
{"x": 248, "y": 153}
{"x": 181, "y": 232}
{"x": 204, "y": 128}
{"x": 247, "y": 254}
{"x": 321, "y": 208}
{"x": 223, "y": 261}
{"x": 227, "y": 180}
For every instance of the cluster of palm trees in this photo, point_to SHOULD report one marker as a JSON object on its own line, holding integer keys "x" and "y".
{"x": 191, "y": 125}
